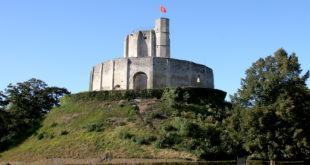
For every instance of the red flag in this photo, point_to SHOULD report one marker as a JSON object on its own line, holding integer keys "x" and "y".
{"x": 163, "y": 9}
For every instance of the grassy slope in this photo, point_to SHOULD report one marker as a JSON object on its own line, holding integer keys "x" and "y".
{"x": 91, "y": 129}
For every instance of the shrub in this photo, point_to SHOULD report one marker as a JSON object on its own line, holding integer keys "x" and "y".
{"x": 51, "y": 136}
{"x": 44, "y": 135}
{"x": 40, "y": 136}
{"x": 94, "y": 127}
{"x": 171, "y": 96}
{"x": 63, "y": 132}
{"x": 125, "y": 135}
{"x": 112, "y": 95}
{"x": 120, "y": 123}
{"x": 168, "y": 127}
{"x": 184, "y": 126}
{"x": 189, "y": 144}
{"x": 188, "y": 94}
{"x": 155, "y": 115}
{"x": 54, "y": 125}
{"x": 143, "y": 139}
{"x": 167, "y": 140}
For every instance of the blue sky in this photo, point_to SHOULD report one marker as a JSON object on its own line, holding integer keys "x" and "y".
{"x": 58, "y": 41}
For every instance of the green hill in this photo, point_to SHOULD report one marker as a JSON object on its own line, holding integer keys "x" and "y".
{"x": 176, "y": 123}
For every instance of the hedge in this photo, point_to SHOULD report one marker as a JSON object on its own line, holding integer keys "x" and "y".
{"x": 196, "y": 95}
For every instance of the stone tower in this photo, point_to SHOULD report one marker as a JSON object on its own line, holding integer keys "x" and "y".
{"x": 162, "y": 37}
{"x": 152, "y": 43}
{"x": 147, "y": 64}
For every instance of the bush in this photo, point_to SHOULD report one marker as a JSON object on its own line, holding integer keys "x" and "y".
{"x": 167, "y": 140}
{"x": 143, "y": 139}
{"x": 112, "y": 95}
{"x": 120, "y": 123}
{"x": 187, "y": 94}
{"x": 54, "y": 125}
{"x": 125, "y": 135}
{"x": 184, "y": 126}
{"x": 94, "y": 127}
{"x": 155, "y": 115}
{"x": 63, "y": 132}
{"x": 189, "y": 144}
{"x": 45, "y": 135}
{"x": 40, "y": 136}
{"x": 168, "y": 127}
{"x": 171, "y": 96}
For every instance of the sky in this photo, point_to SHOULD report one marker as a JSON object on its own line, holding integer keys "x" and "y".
{"x": 59, "y": 41}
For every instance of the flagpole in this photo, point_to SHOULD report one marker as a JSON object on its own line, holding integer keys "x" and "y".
{"x": 163, "y": 6}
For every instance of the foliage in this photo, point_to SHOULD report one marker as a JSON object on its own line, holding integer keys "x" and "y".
{"x": 267, "y": 120}
{"x": 125, "y": 135}
{"x": 5, "y": 125}
{"x": 188, "y": 94}
{"x": 97, "y": 127}
{"x": 33, "y": 98}
{"x": 172, "y": 96}
{"x": 28, "y": 103}
{"x": 155, "y": 132}
{"x": 276, "y": 102}
{"x": 155, "y": 115}
{"x": 63, "y": 132}
{"x": 3, "y": 102}
{"x": 143, "y": 140}
{"x": 197, "y": 129}
{"x": 184, "y": 127}
{"x": 54, "y": 124}
{"x": 112, "y": 95}
{"x": 45, "y": 135}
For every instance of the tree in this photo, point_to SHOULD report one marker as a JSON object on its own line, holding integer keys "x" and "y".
{"x": 3, "y": 103}
{"x": 33, "y": 98}
{"x": 3, "y": 118}
{"x": 277, "y": 103}
{"x": 28, "y": 103}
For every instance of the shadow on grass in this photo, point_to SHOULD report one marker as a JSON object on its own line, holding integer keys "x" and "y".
{"x": 18, "y": 134}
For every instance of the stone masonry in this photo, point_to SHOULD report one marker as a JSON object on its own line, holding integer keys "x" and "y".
{"x": 147, "y": 64}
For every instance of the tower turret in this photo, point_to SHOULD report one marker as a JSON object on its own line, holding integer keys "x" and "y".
{"x": 162, "y": 37}
{"x": 149, "y": 43}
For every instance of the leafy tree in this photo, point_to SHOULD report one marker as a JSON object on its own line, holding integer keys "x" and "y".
{"x": 3, "y": 118}
{"x": 33, "y": 98}
{"x": 232, "y": 131}
{"x": 276, "y": 123}
{"x": 3, "y": 103}
{"x": 28, "y": 102}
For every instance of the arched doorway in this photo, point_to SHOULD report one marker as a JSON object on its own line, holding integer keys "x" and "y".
{"x": 140, "y": 81}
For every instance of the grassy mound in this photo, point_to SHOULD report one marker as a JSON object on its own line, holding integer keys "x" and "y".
{"x": 89, "y": 125}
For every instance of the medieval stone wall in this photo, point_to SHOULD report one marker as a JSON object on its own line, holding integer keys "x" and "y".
{"x": 173, "y": 73}
{"x": 120, "y": 74}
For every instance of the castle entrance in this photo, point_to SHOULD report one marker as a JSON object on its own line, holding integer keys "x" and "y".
{"x": 140, "y": 81}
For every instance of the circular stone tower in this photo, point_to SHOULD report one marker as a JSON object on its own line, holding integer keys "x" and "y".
{"x": 147, "y": 64}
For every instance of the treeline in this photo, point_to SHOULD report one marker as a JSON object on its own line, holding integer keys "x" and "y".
{"x": 22, "y": 108}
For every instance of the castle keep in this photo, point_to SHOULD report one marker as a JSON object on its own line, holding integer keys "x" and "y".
{"x": 147, "y": 64}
